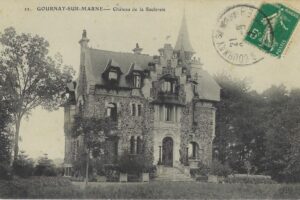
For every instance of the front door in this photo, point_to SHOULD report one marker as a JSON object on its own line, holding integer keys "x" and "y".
{"x": 167, "y": 152}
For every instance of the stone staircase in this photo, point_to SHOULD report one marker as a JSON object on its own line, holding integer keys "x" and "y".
{"x": 171, "y": 174}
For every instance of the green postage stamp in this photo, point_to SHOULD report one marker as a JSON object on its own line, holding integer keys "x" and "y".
{"x": 272, "y": 28}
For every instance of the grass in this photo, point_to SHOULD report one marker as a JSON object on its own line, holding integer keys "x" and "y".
{"x": 57, "y": 187}
{"x": 39, "y": 187}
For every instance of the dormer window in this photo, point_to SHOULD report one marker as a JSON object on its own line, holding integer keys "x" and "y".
{"x": 136, "y": 80}
{"x": 112, "y": 75}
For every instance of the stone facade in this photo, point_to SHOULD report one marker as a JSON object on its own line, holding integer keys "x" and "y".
{"x": 163, "y": 106}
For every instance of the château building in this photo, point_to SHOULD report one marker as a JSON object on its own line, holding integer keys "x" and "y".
{"x": 162, "y": 105}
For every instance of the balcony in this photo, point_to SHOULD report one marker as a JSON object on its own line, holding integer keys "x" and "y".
{"x": 168, "y": 70}
{"x": 168, "y": 98}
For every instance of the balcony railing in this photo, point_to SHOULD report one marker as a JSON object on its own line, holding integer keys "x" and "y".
{"x": 168, "y": 70}
{"x": 168, "y": 95}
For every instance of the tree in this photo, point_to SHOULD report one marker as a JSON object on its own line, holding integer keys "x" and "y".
{"x": 283, "y": 135}
{"x": 94, "y": 131}
{"x": 5, "y": 136}
{"x": 23, "y": 166}
{"x": 30, "y": 77}
{"x": 238, "y": 132}
{"x": 5, "y": 132}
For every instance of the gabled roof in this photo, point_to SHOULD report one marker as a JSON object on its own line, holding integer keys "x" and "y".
{"x": 183, "y": 40}
{"x": 99, "y": 59}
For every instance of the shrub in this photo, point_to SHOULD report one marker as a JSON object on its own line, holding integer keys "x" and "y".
{"x": 129, "y": 164}
{"x": 203, "y": 170}
{"x": 98, "y": 166}
{"x": 5, "y": 171}
{"x": 219, "y": 169}
{"x": 111, "y": 172}
{"x": 23, "y": 166}
{"x": 135, "y": 164}
{"x": 45, "y": 167}
{"x": 250, "y": 179}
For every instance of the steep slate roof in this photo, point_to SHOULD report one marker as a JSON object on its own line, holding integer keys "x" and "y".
{"x": 207, "y": 87}
{"x": 100, "y": 58}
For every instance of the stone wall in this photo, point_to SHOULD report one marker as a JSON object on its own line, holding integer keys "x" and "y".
{"x": 69, "y": 111}
{"x": 199, "y": 130}
{"x": 128, "y": 125}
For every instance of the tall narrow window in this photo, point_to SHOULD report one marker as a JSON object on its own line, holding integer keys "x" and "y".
{"x": 139, "y": 145}
{"x": 193, "y": 150}
{"x": 133, "y": 109}
{"x": 111, "y": 111}
{"x": 139, "y": 110}
{"x": 137, "y": 81}
{"x": 169, "y": 113}
{"x": 161, "y": 113}
{"x": 132, "y": 145}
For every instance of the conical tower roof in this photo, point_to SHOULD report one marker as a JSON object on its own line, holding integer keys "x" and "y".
{"x": 183, "y": 40}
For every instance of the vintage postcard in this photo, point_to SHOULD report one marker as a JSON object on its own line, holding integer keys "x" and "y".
{"x": 131, "y": 99}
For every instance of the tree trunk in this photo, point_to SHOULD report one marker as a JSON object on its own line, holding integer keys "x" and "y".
{"x": 87, "y": 167}
{"x": 16, "y": 139}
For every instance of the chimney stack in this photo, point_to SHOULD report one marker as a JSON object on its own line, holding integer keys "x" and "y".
{"x": 137, "y": 49}
{"x": 84, "y": 40}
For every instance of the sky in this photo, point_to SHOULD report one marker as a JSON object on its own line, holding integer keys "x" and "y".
{"x": 112, "y": 30}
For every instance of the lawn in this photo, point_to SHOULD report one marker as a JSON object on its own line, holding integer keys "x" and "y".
{"x": 43, "y": 187}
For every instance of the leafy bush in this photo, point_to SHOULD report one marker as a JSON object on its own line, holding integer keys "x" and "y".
{"x": 130, "y": 164}
{"x": 134, "y": 165}
{"x": 203, "y": 170}
{"x": 111, "y": 173}
{"x": 219, "y": 169}
{"x": 252, "y": 179}
{"x": 45, "y": 167}
{"x": 5, "y": 171}
{"x": 23, "y": 166}
{"x": 202, "y": 178}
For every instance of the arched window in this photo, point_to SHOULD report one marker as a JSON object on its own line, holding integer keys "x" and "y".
{"x": 111, "y": 111}
{"x": 139, "y": 145}
{"x": 193, "y": 150}
{"x": 80, "y": 107}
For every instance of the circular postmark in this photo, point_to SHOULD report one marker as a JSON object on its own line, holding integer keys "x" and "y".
{"x": 228, "y": 37}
